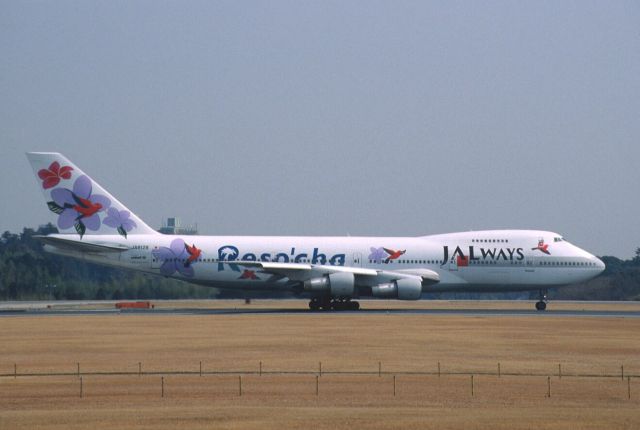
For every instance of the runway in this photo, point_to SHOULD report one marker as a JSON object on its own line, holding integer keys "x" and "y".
{"x": 550, "y": 313}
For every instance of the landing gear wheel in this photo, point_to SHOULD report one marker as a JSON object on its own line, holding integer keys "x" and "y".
{"x": 346, "y": 305}
{"x": 341, "y": 305}
{"x": 541, "y": 304}
{"x": 314, "y": 304}
{"x": 325, "y": 304}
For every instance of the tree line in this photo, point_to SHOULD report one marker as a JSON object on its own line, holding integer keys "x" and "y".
{"x": 27, "y": 272}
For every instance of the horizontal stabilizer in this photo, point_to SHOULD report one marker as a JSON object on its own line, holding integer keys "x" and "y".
{"x": 84, "y": 245}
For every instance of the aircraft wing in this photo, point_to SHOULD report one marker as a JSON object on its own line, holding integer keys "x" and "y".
{"x": 304, "y": 272}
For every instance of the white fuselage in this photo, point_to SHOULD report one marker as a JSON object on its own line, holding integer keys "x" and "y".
{"x": 95, "y": 226}
{"x": 498, "y": 260}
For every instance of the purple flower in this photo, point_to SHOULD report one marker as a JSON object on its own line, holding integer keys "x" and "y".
{"x": 119, "y": 220}
{"x": 377, "y": 254}
{"x": 174, "y": 259}
{"x": 78, "y": 208}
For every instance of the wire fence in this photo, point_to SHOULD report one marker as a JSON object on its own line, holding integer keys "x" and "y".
{"x": 408, "y": 379}
{"x": 558, "y": 372}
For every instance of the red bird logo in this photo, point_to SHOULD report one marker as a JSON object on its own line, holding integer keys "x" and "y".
{"x": 393, "y": 255}
{"x": 84, "y": 207}
{"x": 542, "y": 247}
{"x": 194, "y": 254}
{"x": 249, "y": 274}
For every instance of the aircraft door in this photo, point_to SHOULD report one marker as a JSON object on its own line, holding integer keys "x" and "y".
{"x": 155, "y": 262}
{"x": 356, "y": 259}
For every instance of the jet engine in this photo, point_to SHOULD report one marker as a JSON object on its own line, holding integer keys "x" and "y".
{"x": 337, "y": 284}
{"x": 402, "y": 289}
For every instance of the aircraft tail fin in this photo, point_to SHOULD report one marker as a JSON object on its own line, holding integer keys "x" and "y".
{"x": 79, "y": 204}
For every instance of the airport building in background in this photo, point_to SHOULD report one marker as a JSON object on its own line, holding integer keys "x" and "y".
{"x": 173, "y": 226}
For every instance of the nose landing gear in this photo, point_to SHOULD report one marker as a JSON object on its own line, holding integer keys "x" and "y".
{"x": 541, "y": 305}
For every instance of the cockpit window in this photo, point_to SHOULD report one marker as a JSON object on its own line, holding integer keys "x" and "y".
{"x": 558, "y": 239}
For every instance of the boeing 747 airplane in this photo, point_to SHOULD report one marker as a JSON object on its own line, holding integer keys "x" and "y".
{"x": 331, "y": 271}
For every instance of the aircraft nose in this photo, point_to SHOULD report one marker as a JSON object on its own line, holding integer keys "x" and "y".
{"x": 599, "y": 264}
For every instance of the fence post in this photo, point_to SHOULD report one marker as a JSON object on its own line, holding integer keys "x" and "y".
{"x": 240, "y": 385}
{"x": 471, "y": 385}
{"x": 629, "y": 387}
{"x": 78, "y": 369}
{"x": 162, "y": 384}
{"x": 379, "y": 368}
{"x": 317, "y": 384}
{"x": 559, "y": 371}
{"x": 139, "y": 368}
{"x": 548, "y": 386}
{"x": 81, "y": 387}
{"x": 498, "y": 369}
{"x": 622, "y": 371}
{"x": 15, "y": 370}
{"x": 200, "y": 368}
{"x": 320, "y": 368}
{"x": 260, "y": 368}
{"x": 438, "y": 369}
{"x": 394, "y": 385}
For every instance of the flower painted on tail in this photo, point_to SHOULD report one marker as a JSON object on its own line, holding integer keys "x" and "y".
{"x": 51, "y": 176}
{"x": 120, "y": 220}
{"x": 176, "y": 258}
{"x": 78, "y": 207}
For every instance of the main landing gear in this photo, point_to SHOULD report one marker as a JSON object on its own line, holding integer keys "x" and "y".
{"x": 541, "y": 305}
{"x": 329, "y": 304}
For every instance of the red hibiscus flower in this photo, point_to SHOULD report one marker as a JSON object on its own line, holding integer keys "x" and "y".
{"x": 51, "y": 176}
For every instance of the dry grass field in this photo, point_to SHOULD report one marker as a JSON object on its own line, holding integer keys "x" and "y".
{"x": 402, "y": 343}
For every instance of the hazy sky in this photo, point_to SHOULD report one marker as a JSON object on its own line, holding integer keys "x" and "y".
{"x": 333, "y": 118}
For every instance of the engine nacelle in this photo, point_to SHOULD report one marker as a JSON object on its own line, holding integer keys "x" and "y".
{"x": 402, "y": 289}
{"x": 336, "y": 284}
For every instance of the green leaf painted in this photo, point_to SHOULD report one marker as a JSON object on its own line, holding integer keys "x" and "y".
{"x": 122, "y": 232}
{"x": 55, "y": 208}
{"x": 80, "y": 228}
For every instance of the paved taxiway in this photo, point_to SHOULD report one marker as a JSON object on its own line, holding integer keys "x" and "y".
{"x": 363, "y": 312}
